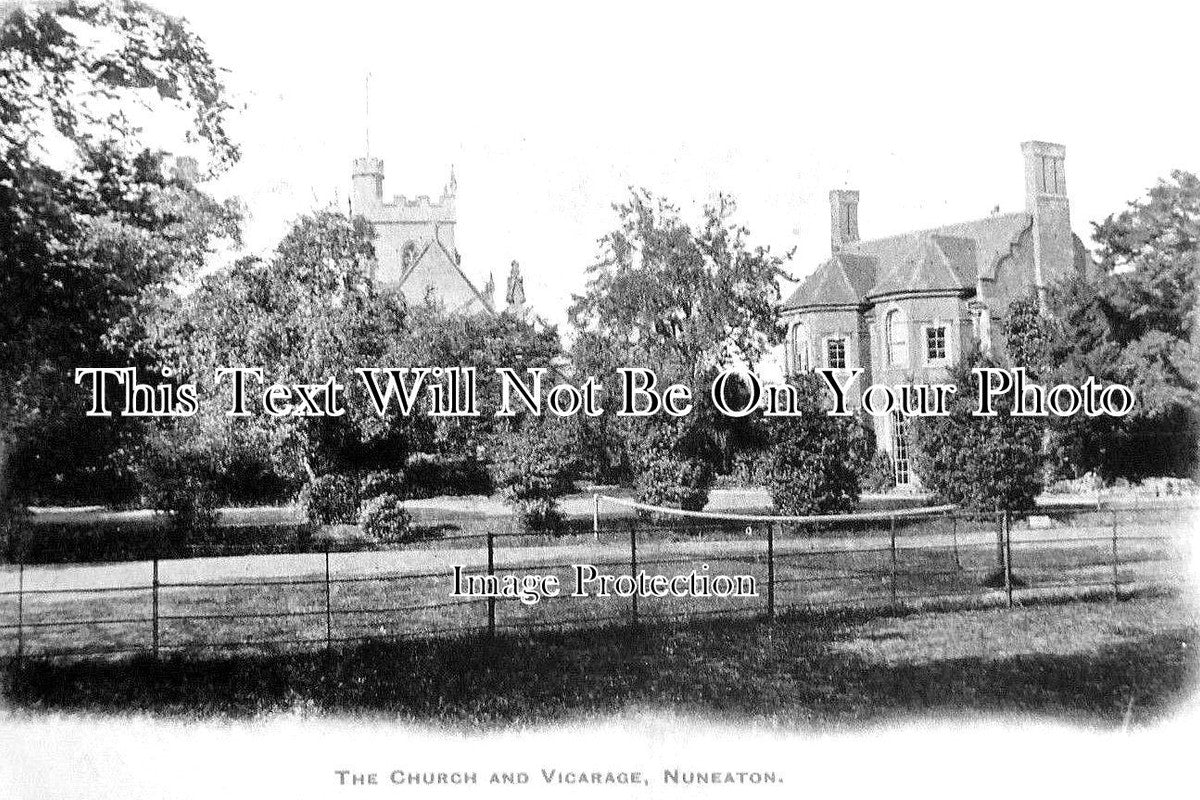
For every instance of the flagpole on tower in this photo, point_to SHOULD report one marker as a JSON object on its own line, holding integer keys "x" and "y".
{"x": 367, "y": 112}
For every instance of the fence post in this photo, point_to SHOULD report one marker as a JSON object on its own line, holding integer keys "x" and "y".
{"x": 1008, "y": 582}
{"x": 633, "y": 567}
{"x": 954, "y": 536}
{"x": 491, "y": 564}
{"x": 999, "y": 519}
{"x": 20, "y": 611}
{"x": 771, "y": 570}
{"x": 893, "y": 527}
{"x": 154, "y": 608}
{"x": 328, "y": 605}
{"x": 1115, "y": 560}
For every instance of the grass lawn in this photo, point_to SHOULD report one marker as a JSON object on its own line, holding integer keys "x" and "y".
{"x": 409, "y": 593}
{"x": 1098, "y": 663}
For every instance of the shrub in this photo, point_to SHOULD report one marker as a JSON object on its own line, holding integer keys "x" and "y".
{"x": 433, "y": 474}
{"x": 670, "y": 471}
{"x": 14, "y": 521}
{"x": 535, "y": 464}
{"x": 384, "y": 519}
{"x": 178, "y": 478}
{"x": 749, "y": 469}
{"x": 880, "y": 474}
{"x": 247, "y": 476}
{"x": 380, "y": 482}
{"x": 666, "y": 480}
{"x": 980, "y": 463}
{"x": 332, "y": 499}
{"x": 815, "y": 460}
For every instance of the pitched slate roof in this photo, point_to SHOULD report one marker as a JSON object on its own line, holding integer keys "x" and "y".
{"x": 937, "y": 263}
{"x": 843, "y": 280}
{"x": 948, "y": 258}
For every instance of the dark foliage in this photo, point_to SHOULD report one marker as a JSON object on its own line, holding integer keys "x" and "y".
{"x": 1132, "y": 320}
{"x": 979, "y": 463}
{"x": 332, "y": 499}
{"x": 434, "y": 475}
{"x": 381, "y": 482}
{"x": 535, "y": 463}
{"x": 880, "y": 474}
{"x": 673, "y": 463}
{"x": 815, "y": 461}
{"x": 384, "y": 520}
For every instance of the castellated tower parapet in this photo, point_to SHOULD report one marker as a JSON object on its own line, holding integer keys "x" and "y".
{"x": 367, "y": 184}
{"x": 407, "y": 230}
{"x": 439, "y": 218}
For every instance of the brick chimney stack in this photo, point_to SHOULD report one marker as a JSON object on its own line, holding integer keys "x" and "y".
{"x": 1046, "y": 201}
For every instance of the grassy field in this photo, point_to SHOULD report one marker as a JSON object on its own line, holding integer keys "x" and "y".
{"x": 1096, "y": 663}
{"x": 252, "y": 601}
{"x": 94, "y": 534}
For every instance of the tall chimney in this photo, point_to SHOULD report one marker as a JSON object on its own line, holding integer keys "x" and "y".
{"x": 1046, "y": 202}
{"x": 843, "y": 218}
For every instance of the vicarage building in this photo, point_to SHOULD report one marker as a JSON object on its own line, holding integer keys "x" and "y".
{"x": 904, "y": 308}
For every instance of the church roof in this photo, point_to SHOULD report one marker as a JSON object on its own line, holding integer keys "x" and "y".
{"x": 437, "y": 268}
{"x": 949, "y": 258}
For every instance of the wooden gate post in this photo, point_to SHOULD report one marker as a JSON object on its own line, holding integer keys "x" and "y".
{"x": 1008, "y": 581}
{"x": 893, "y": 549}
{"x": 154, "y": 608}
{"x": 491, "y": 566}
{"x": 1116, "y": 560}
{"x": 328, "y": 605}
{"x": 633, "y": 568}
{"x": 771, "y": 570}
{"x": 954, "y": 537}
{"x": 20, "y": 611}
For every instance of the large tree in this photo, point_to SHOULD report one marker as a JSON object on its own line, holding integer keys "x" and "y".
{"x": 307, "y": 313}
{"x": 91, "y": 221}
{"x": 311, "y": 311}
{"x": 684, "y": 302}
{"x": 1132, "y": 319}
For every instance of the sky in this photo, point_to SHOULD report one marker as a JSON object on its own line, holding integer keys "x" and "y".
{"x": 550, "y": 112}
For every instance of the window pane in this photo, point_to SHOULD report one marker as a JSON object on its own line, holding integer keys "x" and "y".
{"x": 935, "y": 343}
{"x": 800, "y": 347}
{"x": 900, "y": 449}
{"x": 897, "y": 339}
{"x": 836, "y": 354}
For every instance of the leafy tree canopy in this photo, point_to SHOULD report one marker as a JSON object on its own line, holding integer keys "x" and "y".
{"x": 1132, "y": 320}
{"x": 92, "y": 222}
{"x": 683, "y": 301}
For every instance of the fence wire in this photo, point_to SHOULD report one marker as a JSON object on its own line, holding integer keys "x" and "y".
{"x": 329, "y": 598}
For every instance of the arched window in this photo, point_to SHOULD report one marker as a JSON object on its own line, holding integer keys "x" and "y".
{"x": 800, "y": 351}
{"x": 408, "y": 256}
{"x": 896, "y": 338}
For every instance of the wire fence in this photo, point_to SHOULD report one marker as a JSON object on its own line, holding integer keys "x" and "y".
{"x": 628, "y": 571}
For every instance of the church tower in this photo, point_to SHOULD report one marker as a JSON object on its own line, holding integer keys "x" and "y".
{"x": 415, "y": 251}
